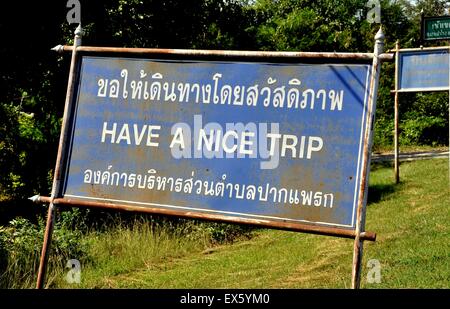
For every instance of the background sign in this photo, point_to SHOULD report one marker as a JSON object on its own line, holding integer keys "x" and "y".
{"x": 426, "y": 70}
{"x": 279, "y": 142}
{"x": 436, "y": 28}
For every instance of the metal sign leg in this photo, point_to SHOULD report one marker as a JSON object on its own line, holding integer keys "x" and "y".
{"x": 356, "y": 266}
{"x": 56, "y": 188}
{"x": 396, "y": 116}
{"x": 46, "y": 246}
{"x": 396, "y": 134}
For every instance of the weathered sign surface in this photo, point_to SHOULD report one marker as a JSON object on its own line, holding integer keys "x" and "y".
{"x": 424, "y": 70}
{"x": 436, "y": 28}
{"x": 279, "y": 142}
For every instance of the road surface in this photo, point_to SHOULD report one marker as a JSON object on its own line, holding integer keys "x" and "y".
{"x": 410, "y": 156}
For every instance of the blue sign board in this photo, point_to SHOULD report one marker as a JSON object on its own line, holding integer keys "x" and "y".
{"x": 270, "y": 141}
{"x": 426, "y": 70}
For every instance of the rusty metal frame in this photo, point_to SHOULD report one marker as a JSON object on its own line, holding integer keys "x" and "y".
{"x": 60, "y": 160}
{"x": 358, "y": 234}
{"x": 396, "y": 115}
{"x": 368, "y": 138}
{"x": 417, "y": 49}
{"x": 226, "y": 53}
{"x": 297, "y": 227}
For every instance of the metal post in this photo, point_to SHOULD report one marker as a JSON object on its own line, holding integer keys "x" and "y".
{"x": 396, "y": 117}
{"x": 279, "y": 55}
{"x": 422, "y": 28}
{"x": 360, "y": 213}
{"x": 59, "y": 162}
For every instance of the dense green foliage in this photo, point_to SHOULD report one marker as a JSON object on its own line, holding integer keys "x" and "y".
{"x": 20, "y": 247}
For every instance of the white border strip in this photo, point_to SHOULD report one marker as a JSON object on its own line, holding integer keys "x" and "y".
{"x": 423, "y": 89}
{"x": 361, "y": 143}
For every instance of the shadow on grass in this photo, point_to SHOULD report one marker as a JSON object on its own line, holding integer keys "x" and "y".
{"x": 381, "y": 164}
{"x": 380, "y": 192}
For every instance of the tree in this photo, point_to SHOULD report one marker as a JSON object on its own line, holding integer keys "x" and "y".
{"x": 34, "y": 79}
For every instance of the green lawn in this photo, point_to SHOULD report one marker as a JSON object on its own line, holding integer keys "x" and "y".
{"x": 413, "y": 247}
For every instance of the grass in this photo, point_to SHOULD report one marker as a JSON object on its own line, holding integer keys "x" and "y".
{"x": 413, "y": 226}
{"x": 411, "y": 220}
{"x": 124, "y": 249}
{"x": 412, "y": 247}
